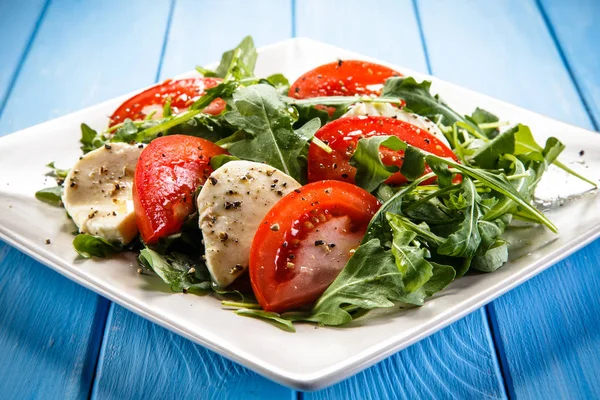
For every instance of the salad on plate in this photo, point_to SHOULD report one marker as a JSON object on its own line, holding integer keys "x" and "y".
{"x": 351, "y": 189}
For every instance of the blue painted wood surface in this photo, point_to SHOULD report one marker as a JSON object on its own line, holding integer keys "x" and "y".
{"x": 547, "y": 330}
{"x": 576, "y": 28}
{"x": 50, "y": 327}
{"x": 79, "y": 53}
{"x": 154, "y": 356}
{"x": 432, "y": 367}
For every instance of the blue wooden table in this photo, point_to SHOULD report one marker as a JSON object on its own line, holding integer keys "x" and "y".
{"x": 59, "y": 340}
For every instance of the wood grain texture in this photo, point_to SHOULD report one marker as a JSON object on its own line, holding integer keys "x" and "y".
{"x": 139, "y": 359}
{"x": 50, "y": 327}
{"x": 512, "y": 58}
{"x": 18, "y": 22}
{"x": 85, "y": 53}
{"x": 453, "y": 363}
{"x": 459, "y": 361}
{"x": 576, "y": 26}
{"x": 547, "y": 329}
{"x": 386, "y": 29}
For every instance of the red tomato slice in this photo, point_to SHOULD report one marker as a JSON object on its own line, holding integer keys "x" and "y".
{"x": 304, "y": 242}
{"x": 343, "y": 134}
{"x": 167, "y": 174}
{"x": 183, "y": 92}
{"x": 342, "y": 78}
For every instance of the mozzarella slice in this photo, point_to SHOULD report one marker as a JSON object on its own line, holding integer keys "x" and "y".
{"x": 388, "y": 110}
{"x": 98, "y": 193}
{"x": 231, "y": 205}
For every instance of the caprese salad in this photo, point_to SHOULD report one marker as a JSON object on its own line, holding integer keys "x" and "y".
{"x": 350, "y": 189}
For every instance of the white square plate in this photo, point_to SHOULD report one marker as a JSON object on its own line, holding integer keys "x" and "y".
{"x": 311, "y": 358}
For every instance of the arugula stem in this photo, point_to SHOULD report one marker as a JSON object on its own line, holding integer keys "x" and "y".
{"x": 426, "y": 188}
{"x": 400, "y": 193}
{"x": 472, "y": 173}
{"x": 322, "y": 145}
{"x": 570, "y": 171}
{"x": 493, "y": 125}
{"x": 120, "y": 124}
{"x": 179, "y": 119}
{"x": 518, "y": 176}
{"x": 471, "y": 131}
{"x": 430, "y": 196}
{"x": 237, "y": 304}
{"x": 234, "y": 58}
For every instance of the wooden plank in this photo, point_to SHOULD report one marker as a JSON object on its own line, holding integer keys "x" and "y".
{"x": 576, "y": 27}
{"x": 386, "y": 29}
{"x": 459, "y": 361}
{"x": 50, "y": 328}
{"x": 547, "y": 329}
{"x": 109, "y": 45}
{"x": 454, "y": 363}
{"x": 513, "y": 58}
{"x": 17, "y": 26}
{"x": 140, "y": 359}
{"x": 216, "y": 29}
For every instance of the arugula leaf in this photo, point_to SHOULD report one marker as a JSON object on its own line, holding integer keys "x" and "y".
{"x": 493, "y": 258}
{"x": 442, "y": 276}
{"x": 267, "y": 123}
{"x": 410, "y": 256}
{"x": 369, "y": 280}
{"x": 52, "y": 195}
{"x": 465, "y": 241}
{"x": 180, "y": 271}
{"x": 420, "y": 101}
{"x": 90, "y": 139}
{"x": 370, "y": 170}
{"x": 379, "y": 227}
{"x": 57, "y": 172}
{"x": 496, "y": 182}
{"x": 271, "y": 317}
{"x": 221, "y": 159}
{"x": 413, "y": 165}
{"x": 481, "y": 116}
{"x": 487, "y": 156}
{"x": 306, "y": 113}
{"x": 239, "y": 61}
{"x": 88, "y": 245}
{"x": 279, "y": 82}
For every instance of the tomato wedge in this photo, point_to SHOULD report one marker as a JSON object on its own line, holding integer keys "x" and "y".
{"x": 343, "y": 134}
{"x": 167, "y": 174}
{"x": 304, "y": 242}
{"x": 342, "y": 78}
{"x": 183, "y": 92}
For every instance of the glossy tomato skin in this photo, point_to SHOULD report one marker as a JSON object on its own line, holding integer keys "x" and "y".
{"x": 343, "y": 134}
{"x": 183, "y": 92}
{"x": 168, "y": 172}
{"x": 305, "y": 241}
{"x": 342, "y": 78}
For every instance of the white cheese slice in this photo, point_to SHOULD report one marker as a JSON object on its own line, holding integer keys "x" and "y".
{"x": 388, "y": 110}
{"x": 231, "y": 205}
{"x": 98, "y": 192}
